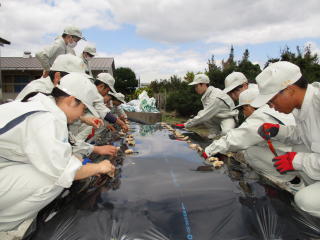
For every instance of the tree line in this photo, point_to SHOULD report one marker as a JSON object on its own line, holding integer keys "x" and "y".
{"x": 183, "y": 99}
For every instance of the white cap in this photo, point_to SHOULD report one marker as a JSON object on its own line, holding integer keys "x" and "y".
{"x": 234, "y": 80}
{"x": 118, "y": 96}
{"x": 90, "y": 49}
{"x": 73, "y": 31}
{"x": 247, "y": 96}
{"x": 200, "y": 78}
{"x": 68, "y": 63}
{"x": 107, "y": 79}
{"x": 77, "y": 85}
{"x": 275, "y": 78}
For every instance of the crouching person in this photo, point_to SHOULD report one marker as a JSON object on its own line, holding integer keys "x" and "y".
{"x": 217, "y": 114}
{"x": 36, "y": 161}
{"x": 256, "y": 151}
{"x": 282, "y": 86}
{"x": 117, "y": 100}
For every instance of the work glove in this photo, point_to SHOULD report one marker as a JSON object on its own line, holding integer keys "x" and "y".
{"x": 283, "y": 163}
{"x": 204, "y": 155}
{"x": 268, "y": 130}
{"x": 91, "y": 135}
{"x": 179, "y": 125}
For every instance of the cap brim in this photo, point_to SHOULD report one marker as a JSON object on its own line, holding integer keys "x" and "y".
{"x": 261, "y": 100}
{"x": 92, "y": 110}
{"x": 193, "y": 83}
{"x": 112, "y": 89}
{"x": 240, "y": 105}
{"x": 230, "y": 88}
{"x": 233, "y": 86}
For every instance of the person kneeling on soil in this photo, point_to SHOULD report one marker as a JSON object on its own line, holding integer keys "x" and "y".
{"x": 257, "y": 153}
{"x": 117, "y": 100}
{"x": 217, "y": 114}
{"x": 283, "y": 87}
{"x": 36, "y": 160}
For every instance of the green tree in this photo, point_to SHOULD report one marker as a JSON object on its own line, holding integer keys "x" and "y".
{"x": 307, "y": 61}
{"x": 184, "y": 100}
{"x": 215, "y": 73}
{"x": 230, "y": 64}
{"x": 249, "y": 69}
{"x": 126, "y": 81}
{"x": 189, "y": 77}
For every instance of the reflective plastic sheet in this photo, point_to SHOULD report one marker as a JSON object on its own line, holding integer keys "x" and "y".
{"x": 159, "y": 195}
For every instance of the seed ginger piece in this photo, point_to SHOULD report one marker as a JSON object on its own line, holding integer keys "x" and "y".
{"x": 212, "y": 159}
{"x": 128, "y": 151}
{"x": 193, "y": 146}
{"x": 218, "y": 164}
{"x": 199, "y": 149}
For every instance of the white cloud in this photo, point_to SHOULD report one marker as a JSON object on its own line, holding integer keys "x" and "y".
{"x": 223, "y": 21}
{"x": 220, "y": 50}
{"x": 31, "y": 24}
{"x": 172, "y": 21}
{"x": 151, "y": 64}
{"x": 313, "y": 47}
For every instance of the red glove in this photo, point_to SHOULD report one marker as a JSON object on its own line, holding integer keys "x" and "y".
{"x": 204, "y": 155}
{"x": 268, "y": 130}
{"x": 283, "y": 163}
{"x": 179, "y": 125}
{"x": 91, "y": 134}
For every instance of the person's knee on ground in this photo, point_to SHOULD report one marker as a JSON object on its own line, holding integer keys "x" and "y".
{"x": 307, "y": 199}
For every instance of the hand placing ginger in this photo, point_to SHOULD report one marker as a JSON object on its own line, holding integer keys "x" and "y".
{"x": 95, "y": 169}
{"x": 92, "y": 121}
{"x": 105, "y": 150}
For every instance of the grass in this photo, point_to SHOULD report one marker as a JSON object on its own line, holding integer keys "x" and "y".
{"x": 172, "y": 118}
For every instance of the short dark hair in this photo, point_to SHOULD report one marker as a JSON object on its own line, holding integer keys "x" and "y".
{"x": 302, "y": 83}
{"x": 207, "y": 84}
{"x": 238, "y": 87}
{"x": 98, "y": 82}
{"x": 57, "y": 93}
{"x": 89, "y": 54}
{"x": 64, "y": 35}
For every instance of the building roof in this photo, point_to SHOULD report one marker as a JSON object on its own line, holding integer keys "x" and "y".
{"x": 32, "y": 63}
{"x": 3, "y": 41}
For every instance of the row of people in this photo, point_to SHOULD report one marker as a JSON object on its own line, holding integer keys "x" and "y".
{"x": 279, "y": 136}
{"x": 43, "y": 132}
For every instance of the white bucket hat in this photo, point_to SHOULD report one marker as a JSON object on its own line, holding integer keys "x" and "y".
{"x": 90, "y": 49}
{"x": 200, "y": 78}
{"x": 107, "y": 79}
{"x": 73, "y": 31}
{"x": 118, "y": 96}
{"x": 68, "y": 63}
{"x": 77, "y": 85}
{"x": 275, "y": 78}
{"x": 247, "y": 96}
{"x": 234, "y": 80}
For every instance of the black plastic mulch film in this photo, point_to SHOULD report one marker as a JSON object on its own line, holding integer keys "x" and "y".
{"x": 159, "y": 195}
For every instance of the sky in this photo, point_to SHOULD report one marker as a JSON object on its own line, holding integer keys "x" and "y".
{"x": 160, "y": 38}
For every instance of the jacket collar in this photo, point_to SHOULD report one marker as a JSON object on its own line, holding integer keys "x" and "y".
{"x": 307, "y": 102}
{"x": 207, "y": 93}
{"x": 50, "y": 105}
